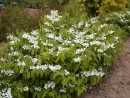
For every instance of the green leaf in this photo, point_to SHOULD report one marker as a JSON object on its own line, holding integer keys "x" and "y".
{"x": 32, "y": 74}
{"x": 35, "y": 94}
{"x": 51, "y": 94}
{"x": 28, "y": 75}
{"x": 32, "y": 52}
{"x": 44, "y": 94}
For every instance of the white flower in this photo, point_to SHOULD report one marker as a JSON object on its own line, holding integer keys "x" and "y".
{"x": 6, "y": 93}
{"x": 52, "y": 36}
{"x": 35, "y": 33}
{"x": 71, "y": 30}
{"x": 7, "y": 72}
{"x": 66, "y": 72}
{"x": 38, "y": 89}
{"x": 49, "y": 84}
{"x": 87, "y": 24}
{"x": 21, "y": 64}
{"x": 46, "y": 30}
{"x": 12, "y": 39}
{"x": 95, "y": 43}
{"x": 80, "y": 24}
{"x": 77, "y": 59}
{"x": 79, "y": 51}
{"x": 54, "y": 68}
{"x": 35, "y": 46}
{"x": 100, "y": 50}
{"x": 2, "y": 59}
{"x": 34, "y": 60}
{"x": 92, "y": 73}
{"x": 71, "y": 85}
{"x": 25, "y": 47}
{"x": 90, "y": 36}
{"x": 54, "y": 17}
{"x": 116, "y": 38}
{"x": 25, "y": 88}
{"x": 110, "y": 32}
{"x": 63, "y": 90}
{"x": 51, "y": 51}
{"x": 48, "y": 24}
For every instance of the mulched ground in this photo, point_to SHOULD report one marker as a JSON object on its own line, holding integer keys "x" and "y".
{"x": 117, "y": 84}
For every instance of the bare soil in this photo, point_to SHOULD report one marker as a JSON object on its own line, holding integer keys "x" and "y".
{"x": 117, "y": 83}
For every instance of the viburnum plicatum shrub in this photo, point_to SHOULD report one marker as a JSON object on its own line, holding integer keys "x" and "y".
{"x": 121, "y": 19}
{"x": 63, "y": 58}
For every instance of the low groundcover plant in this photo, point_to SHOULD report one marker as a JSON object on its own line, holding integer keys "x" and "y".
{"x": 61, "y": 59}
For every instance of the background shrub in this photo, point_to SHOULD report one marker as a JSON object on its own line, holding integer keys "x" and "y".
{"x": 61, "y": 59}
{"x": 15, "y": 18}
{"x": 101, "y": 7}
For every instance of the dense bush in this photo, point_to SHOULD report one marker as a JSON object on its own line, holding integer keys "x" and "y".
{"x": 32, "y": 3}
{"x": 60, "y": 59}
{"x": 13, "y": 19}
{"x": 120, "y": 19}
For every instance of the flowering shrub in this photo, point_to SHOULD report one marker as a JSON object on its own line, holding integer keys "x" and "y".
{"x": 120, "y": 19}
{"x": 61, "y": 59}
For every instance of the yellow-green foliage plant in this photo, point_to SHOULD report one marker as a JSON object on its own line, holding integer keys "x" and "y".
{"x": 103, "y": 6}
{"x": 112, "y": 5}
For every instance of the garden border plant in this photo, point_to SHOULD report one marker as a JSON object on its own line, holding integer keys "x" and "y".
{"x": 61, "y": 59}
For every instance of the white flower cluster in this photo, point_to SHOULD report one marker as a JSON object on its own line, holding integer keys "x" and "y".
{"x": 45, "y": 67}
{"x": 77, "y": 59}
{"x": 46, "y": 43}
{"x": 80, "y": 24}
{"x": 7, "y": 72}
{"x": 63, "y": 90}
{"x": 32, "y": 38}
{"x": 2, "y": 59}
{"x": 25, "y": 47}
{"x": 34, "y": 60}
{"x": 57, "y": 38}
{"x": 102, "y": 26}
{"x": 95, "y": 43}
{"x": 48, "y": 24}
{"x": 92, "y": 73}
{"x": 54, "y": 17}
{"x": 12, "y": 39}
{"x": 66, "y": 72}
{"x": 38, "y": 89}
{"x": 80, "y": 51}
{"x": 6, "y": 93}
{"x": 13, "y": 53}
{"x": 100, "y": 51}
{"x": 60, "y": 49}
{"x": 20, "y": 63}
{"x": 110, "y": 32}
{"x": 42, "y": 67}
{"x": 49, "y": 84}
{"x": 46, "y": 30}
{"x": 91, "y": 36}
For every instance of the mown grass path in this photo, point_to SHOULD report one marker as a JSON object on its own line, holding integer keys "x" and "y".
{"x": 117, "y": 84}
